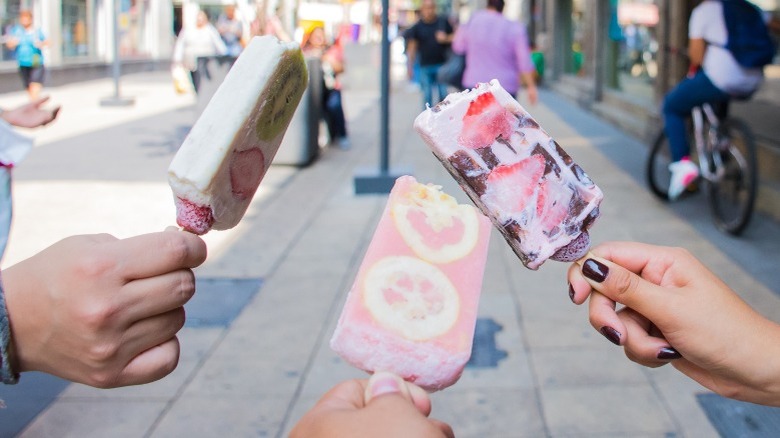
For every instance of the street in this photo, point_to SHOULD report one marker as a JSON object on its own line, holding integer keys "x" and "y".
{"x": 255, "y": 353}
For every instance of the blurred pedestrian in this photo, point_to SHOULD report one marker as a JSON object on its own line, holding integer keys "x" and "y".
{"x": 268, "y": 24}
{"x": 715, "y": 76}
{"x": 332, "y": 57}
{"x": 429, "y": 40}
{"x": 496, "y": 48}
{"x": 13, "y": 149}
{"x": 200, "y": 41}
{"x": 231, "y": 29}
{"x": 28, "y": 42}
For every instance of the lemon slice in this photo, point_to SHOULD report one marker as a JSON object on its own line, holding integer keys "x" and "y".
{"x": 435, "y": 226}
{"x": 411, "y": 297}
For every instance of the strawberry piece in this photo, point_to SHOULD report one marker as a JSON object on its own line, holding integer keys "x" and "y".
{"x": 510, "y": 187}
{"x": 247, "y": 168}
{"x": 552, "y": 205}
{"x": 485, "y": 121}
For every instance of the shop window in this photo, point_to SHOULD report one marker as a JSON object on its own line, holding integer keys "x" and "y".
{"x": 132, "y": 28}
{"x": 76, "y": 34}
{"x": 9, "y": 13}
{"x": 633, "y": 47}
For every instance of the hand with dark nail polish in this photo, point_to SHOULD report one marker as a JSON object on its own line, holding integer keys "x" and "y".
{"x": 676, "y": 311}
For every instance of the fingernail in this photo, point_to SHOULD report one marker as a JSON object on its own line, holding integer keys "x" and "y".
{"x": 611, "y": 334}
{"x": 571, "y": 293}
{"x": 384, "y": 385}
{"x": 594, "y": 270}
{"x": 668, "y": 353}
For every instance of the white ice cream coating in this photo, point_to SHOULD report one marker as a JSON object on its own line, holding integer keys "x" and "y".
{"x": 200, "y": 172}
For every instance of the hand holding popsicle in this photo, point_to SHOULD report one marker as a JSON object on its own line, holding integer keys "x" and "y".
{"x": 382, "y": 406}
{"x": 102, "y": 311}
{"x": 677, "y": 310}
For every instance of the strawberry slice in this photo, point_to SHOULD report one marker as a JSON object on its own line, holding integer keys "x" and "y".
{"x": 510, "y": 187}
{"x": 552, "y": 206}
{"x": 247, "y": 168}
{"x": 485, "y": 121}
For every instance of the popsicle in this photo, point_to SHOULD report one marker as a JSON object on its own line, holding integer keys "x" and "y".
{"x": 413, "y": 306}
{"x": 221, "y": 162}
{"x": 541, "y": 201}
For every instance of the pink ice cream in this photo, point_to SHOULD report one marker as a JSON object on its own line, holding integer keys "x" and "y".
{"x": 540, "y": 200}
{"x": 413, "y": 307}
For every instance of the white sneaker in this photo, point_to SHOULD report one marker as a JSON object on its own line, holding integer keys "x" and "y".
{"x": 684, "y": 172}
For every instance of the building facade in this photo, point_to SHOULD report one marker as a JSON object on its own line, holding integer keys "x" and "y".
{"x": 618, "y": 58}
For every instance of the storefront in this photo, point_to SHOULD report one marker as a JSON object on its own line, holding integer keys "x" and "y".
{"x": 81, "y": 32}
{"x": 618, "y": 58}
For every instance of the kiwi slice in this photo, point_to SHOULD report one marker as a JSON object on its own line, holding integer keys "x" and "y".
{"x": 281, "y": 95}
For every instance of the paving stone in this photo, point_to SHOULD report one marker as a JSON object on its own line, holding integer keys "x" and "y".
{"x": 89, "y": 419}
{"x": 605, "y": 409}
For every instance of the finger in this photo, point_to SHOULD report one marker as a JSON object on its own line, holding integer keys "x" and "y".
{"x": 640, "y": 346}
{"x": 383, "y": 382}
{"x": 624, "y": 286}
{"x": 154, "y": 254}
{"x": 40, "y": 101}
{"x": 604, "y": 318}
{"x": 146, "y": 333}
{"x": 579, "y": 288}
{"x": 151, "y": 365}
{"x": 347, "y": 395}
{"x": 445, "y": 428}
{"x": 155, "y": 295}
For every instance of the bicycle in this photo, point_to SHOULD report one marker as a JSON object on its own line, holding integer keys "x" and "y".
{"x": 726, "y": 156}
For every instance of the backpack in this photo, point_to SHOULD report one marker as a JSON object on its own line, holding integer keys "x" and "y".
{"x": 748, "y": 36}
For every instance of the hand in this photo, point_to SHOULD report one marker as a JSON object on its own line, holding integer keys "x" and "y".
{"x": 102, "y": 311}
{"x": 533, "y": 94}
{"x": 441, "y": 37}
{"x": 31, "y": 115}
{"x": 383, "y": 406}
{"x": 679, "y": 311}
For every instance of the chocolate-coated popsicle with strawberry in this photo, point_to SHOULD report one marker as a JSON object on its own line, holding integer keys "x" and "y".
{"x": 535, "y": 194}
{"x": 218, "y": 168}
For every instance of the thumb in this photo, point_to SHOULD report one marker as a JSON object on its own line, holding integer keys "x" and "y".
{"x": 623, "y": 286}
{"x": 383, "y": 382}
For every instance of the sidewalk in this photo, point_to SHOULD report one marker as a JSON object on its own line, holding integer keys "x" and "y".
{"x": 254, "y": 368}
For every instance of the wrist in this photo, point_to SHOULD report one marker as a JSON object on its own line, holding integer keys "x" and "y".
{"x": 8, "y": 368}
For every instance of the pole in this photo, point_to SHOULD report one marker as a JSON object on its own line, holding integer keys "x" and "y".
{"x": 116, "y": 100}
{"x": 381, "y": 181}
{"x": 384, "y": 158}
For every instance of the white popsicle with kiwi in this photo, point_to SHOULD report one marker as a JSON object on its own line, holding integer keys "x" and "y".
{"x": 218, "y": 168}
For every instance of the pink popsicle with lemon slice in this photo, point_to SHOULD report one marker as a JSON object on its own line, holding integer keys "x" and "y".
{"x": 413, "y": 306}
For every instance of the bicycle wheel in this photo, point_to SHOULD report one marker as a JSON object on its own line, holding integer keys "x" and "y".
{"x": 732, "y": 193}
{"x": 657, "y": 171}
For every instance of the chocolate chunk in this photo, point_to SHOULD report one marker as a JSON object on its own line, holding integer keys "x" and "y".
{"x": 566, "y": 157}
{"x": 506, "y": 143}
{"x": 470, "y": 171}
{"x": 550, "y": 165}
{"x": 488, "y": 156}
{"x": 527, "y": 122}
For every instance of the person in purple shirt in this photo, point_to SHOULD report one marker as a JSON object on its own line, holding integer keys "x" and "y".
{"x": 496, "y": 48}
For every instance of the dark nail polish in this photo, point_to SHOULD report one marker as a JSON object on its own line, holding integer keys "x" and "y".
{"x": 668, "y": 353}
{"x": 611, "y": 334}
{"x": 571, "y": 293}
{"x": 594, "y": 270}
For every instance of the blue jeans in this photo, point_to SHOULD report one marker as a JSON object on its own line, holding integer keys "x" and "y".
{"x": 679, "y": 102}
{"x": 334, "y": 114}
{"x": 428, "y": 81}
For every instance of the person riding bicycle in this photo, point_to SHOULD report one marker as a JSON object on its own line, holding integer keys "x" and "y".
{"x": 714, "y": 76}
